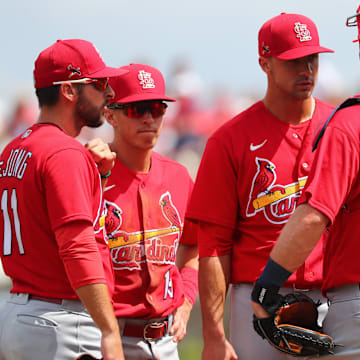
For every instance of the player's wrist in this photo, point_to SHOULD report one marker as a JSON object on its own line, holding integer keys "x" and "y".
{"x": 213, "y": 332}
{"x": 273, "y": 275}
{"x": 268, "y": 298}
{"x": 266, "y": 288}
{"x": 105, "y": 175}
{"x": 111, "y": 328}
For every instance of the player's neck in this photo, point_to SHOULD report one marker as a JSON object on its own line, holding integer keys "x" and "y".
{"x": 61, "y": 117}
{"x": 135, "y": 159}
{"x": 290, "y": 110}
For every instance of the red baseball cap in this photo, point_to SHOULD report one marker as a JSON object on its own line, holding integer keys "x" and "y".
{"x": 141, "y": 83}
{"x": 288, "y": 37}
{"x": 71, "y": 59}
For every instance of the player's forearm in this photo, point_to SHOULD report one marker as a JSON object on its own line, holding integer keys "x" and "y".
{"x": 214, "y": 277}
{"x": 187, "y": 256}
{"x": 97, "y": 301}
{"x": 299, "y": 237}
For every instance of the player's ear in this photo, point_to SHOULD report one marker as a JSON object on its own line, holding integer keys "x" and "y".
{"x": 68, "y": 91}
{"x": 265, "y": 64}
{"x": 110, "y": 117}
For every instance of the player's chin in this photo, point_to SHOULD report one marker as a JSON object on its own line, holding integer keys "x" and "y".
{"x": 148, "y": 136}
{"x": 95, "y": 123}
{"x": 303, "y": 94}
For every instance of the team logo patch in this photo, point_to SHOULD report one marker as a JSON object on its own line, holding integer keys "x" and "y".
{"x": 155, "y": 245}
{"x": 169, "y": 210}
{"x": 146, "y": 81}
{"x": 302, "y": 32}
{"x": 73, "y": 71}
{"x": 277, "y": 202}
{"x": 113, "y": 219}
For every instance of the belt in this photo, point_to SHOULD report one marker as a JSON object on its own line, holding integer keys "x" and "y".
{"x": 47, "y": 299}
{"x": 150, "y": 331}
{"x": 309, "y": 288}
{"x": 298, "y": 289}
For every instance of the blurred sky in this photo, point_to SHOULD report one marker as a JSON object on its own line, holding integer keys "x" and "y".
{"x": 219, "y": 38}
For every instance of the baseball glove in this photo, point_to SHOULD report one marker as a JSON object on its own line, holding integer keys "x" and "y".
{"x": 292, "y": 326}
{"x": 86, "y": 357}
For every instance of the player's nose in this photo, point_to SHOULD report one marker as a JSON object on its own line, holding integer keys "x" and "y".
{"x": 309, "y": 67}
{"x": 109, "y": 92}
{"x": 147, "y": 117}
{"x": 306, "y": 66}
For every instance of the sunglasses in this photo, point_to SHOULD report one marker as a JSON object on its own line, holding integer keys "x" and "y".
{"x": 100, "y": 84}
{"x": 138, "y": 109}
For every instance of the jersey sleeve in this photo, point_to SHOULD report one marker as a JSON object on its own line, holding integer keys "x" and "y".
{"x": 214, "y": 240}
{"x": 80, "y": 254}
{"x": 69, "y": 182}
{"x": 214, "y": 197}
{"x": 189, "y": 234}
{"x": 334, "y": 171}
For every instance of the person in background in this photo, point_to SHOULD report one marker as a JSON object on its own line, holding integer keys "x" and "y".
{"x": 329, "y": 200}
{"x": 249, "y": 181}
{"x": 154, "y": 261}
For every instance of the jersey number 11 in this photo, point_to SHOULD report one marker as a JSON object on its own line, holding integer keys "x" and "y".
{"x": 7, "y": 222}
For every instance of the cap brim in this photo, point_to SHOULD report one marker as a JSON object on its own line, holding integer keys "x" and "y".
{"x": 143, "y": 97}
{"x": 108, "y": 72}
{"x": 301, "y": 52}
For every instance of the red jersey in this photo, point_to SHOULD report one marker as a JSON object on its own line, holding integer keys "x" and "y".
{"x": 48, "y": 179}
{"x": 249, "y": 181}
{"x": 144, "y": 221}
{"x": 334, "y": 188}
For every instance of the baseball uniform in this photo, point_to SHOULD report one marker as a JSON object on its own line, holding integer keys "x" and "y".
{"x": 143, "y": 224}
{"x": 333, "y": 189}
{"x": 249, "y": 181}
{"x": 47, "y": 180}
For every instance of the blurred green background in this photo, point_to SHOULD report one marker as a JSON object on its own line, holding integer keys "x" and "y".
{"x": 190, "y": 347}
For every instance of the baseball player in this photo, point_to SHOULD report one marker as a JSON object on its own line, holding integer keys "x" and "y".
{"x": 155, "y": 263}
{"x": 51, "y": 196}
{"x": 330, "y": 199}
{"x": 249, "y": 181}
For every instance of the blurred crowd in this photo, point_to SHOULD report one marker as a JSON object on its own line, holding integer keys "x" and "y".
{"x": 198, "y": 112}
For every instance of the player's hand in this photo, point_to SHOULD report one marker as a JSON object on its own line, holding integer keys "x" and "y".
{"x": 218, "y": 349}
{"x": 181, "y": 318}
{"x": 102, "y": 155}
{"x": 111, "y": 347}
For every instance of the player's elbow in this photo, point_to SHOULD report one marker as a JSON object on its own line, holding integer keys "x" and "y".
{"x": 312, "y": 218}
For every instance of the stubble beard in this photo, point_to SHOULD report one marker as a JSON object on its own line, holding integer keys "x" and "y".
{"x": 87, "y": 112}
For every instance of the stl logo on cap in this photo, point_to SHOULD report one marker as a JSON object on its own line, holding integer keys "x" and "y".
{"x": 302, "y": 32}
{"x": 146, "y": 80}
